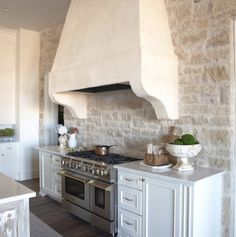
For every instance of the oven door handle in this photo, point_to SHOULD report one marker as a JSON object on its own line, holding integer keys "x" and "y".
{"x": 63, "y": 173}
{"x": 103, "y": 186}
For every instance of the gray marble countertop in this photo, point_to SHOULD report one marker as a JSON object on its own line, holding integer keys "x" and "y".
{"x": 10, "y": 190}
{"x": 188, "y": 177}
{"x": 8, "y": 141}
{"x": 54, "y": 149}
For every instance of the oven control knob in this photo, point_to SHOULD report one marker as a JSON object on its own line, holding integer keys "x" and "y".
{"x": 102, "y": 172}
{"x": 84, "y": 168}
{"x": 63, "y": 162}
{"x": 97, "y": 171}
{"x": 105, "y": 172}
{"x": 77, "y": 165}
{"x": 93, "y": 171}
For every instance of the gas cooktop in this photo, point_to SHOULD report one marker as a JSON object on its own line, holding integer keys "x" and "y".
{"x": 110, "y": 159}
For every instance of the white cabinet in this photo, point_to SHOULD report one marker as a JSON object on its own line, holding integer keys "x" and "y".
{"x": 169, "y": 204}
{"x": 9, "y": 159}
{"x": 19, "y": 97}
{"x": 7, "y": 77}
{"x": 162, "y": 203}
{"x": 130, "y": 204}
{"x": 50, "y": 180}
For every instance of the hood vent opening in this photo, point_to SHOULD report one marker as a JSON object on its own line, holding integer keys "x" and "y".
{"x": 113, "y": 45}
{"x": 111, "y": 87}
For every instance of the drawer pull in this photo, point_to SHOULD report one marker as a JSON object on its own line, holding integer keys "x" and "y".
{"x": 128, "y": 199}
{"x": 129, "y": 180}
{"x": 128, "y": 223}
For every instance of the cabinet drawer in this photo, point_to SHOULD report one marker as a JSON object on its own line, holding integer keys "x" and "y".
{"x": 130, "y": 180}
{"x": 129, "y": 224}
{"x": 57, "y": 176}
{"x": 9, "y": 148}
{"x": 130, "y": 199}
{"x": 56, "y": 160}
{"x": 56, "y": 168}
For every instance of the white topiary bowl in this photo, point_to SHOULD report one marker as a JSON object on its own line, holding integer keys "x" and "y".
{"x": 183, "y": 153}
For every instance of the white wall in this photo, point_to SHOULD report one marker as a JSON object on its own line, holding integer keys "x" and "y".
{"x": 28, "y": 103}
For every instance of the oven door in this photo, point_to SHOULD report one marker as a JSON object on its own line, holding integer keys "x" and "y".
{"x": 102, "y": 202}
{"x": 75, "y": 188}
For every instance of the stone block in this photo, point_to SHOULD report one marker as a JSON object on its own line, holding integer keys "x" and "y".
{"x": 193, "y": 38}
{"x": 218, "y": 39}
{"x": 216, "y": 73}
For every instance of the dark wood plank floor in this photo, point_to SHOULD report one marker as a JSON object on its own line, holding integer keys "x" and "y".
{"x": 51, "y": 212}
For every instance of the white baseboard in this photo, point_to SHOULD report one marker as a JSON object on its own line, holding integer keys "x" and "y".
{"x": 29, "y": 175}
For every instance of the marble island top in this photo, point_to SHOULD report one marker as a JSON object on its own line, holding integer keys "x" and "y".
{"x": 187, "y": 177}
{"x": 10, "y": 190}
{"x": 54, "y": 149}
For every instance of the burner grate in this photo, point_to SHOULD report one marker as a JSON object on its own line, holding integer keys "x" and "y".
{"x": 111, "y": 159}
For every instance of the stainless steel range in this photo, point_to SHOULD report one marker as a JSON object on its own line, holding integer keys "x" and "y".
{"x": 89, "y": 187}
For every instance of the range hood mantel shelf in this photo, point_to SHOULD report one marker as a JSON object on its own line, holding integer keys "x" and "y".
{"x": 135, "y": 47}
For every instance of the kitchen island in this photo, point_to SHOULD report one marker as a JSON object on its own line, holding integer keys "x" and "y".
{"x": 14, "y": 208}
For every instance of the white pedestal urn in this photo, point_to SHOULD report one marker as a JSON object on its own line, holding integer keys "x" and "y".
{"x": 62, "y": 141}
{"x": 183, "y": 153}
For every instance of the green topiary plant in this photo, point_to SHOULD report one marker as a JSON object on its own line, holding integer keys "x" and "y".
{"x": 7, "y": 132}
{"x": 186, "y": 139}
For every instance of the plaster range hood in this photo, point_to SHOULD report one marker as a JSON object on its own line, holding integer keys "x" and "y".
{"x": 111, "y": 42}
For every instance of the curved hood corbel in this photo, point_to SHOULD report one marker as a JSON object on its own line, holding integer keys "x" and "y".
{"x": 108, "y": 42}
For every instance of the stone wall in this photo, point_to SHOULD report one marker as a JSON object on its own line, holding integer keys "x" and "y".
{"x": 49, "y": 39}
{"x": 201, "y": 32}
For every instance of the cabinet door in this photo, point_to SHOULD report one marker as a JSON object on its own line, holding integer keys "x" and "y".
{"x": 162, "y": 209}
{"x": 46, "y": 185}
{"x": 10, "y": 159}
{"x": 7, "y": 77}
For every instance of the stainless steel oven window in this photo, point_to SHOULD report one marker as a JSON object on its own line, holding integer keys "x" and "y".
{"x": 74, "y": 188}
{"x": 100, "y": 198}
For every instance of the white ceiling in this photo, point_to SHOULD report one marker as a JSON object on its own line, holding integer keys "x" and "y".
{"x": 32, "y": 14}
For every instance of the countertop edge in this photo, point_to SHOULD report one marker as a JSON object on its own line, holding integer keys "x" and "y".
{"x": 17, "y": 197}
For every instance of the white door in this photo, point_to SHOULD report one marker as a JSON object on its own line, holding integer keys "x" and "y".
{"x": 162, "y": 209}
{"x": 46, "y": 172}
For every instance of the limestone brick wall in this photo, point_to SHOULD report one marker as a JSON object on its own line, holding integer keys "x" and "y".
{"x": 201, "y": 32}
{"x": 49, "y": 39}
